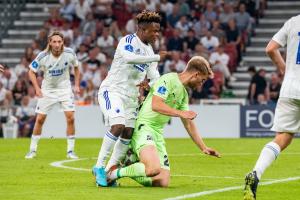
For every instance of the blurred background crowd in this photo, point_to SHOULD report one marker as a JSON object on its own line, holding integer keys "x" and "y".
{"x": 218, "y": 30}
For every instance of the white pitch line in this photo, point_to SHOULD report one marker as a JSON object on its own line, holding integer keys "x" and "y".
{"x": 59, "y": 164}
{"x": 226, "y": 154}
{"x": 204, "y": 193}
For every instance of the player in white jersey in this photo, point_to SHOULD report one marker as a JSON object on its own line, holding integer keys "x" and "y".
{"x": 55, "y": 62}
{"x": 287, "y": 118}
{"x": 134, "y": 59}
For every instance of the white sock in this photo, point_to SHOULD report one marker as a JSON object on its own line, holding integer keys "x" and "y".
{"x": 34, "y": 142}
{"x": 119, "y": 152}
{"x": 70, "y": 143}
{"x": 108, "y": 143}
{"x": 268, "y": 154}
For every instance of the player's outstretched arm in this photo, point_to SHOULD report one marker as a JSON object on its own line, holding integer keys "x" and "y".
{"x": 196, "y": 137}
{"x": 32, "y": 77}
{"x": 273, "y": 52}
{"x": 1, "y": 68}
{"x": 159, "y": 105}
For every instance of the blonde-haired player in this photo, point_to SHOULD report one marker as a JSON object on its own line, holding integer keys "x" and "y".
{"x": 55, "y": 62}
{"x": 167, "y": 98}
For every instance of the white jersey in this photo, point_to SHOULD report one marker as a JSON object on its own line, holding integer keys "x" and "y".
{"x": 133, "y": 60}
{"x": 56, "y": 69}
{"x": 289, "y": 35}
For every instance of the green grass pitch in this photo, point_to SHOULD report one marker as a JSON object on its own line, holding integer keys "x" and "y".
{"x": 192, "y": 172}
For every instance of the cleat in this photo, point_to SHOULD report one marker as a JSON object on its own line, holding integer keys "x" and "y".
{"x": 72, "y": 155}
{"x": 100, "y": 176}
{"x": 30, "y": 155}
{"x": 251, "y": 182}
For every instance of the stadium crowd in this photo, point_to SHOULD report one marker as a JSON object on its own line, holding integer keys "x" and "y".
{"x": 218, "y": 30}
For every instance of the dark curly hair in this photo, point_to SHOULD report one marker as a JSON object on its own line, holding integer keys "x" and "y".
{"x": 148, "y": 17}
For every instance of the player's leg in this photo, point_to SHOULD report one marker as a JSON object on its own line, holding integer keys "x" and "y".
{"x": 66, "y": 100}
{"x": 44, "y": 105}
{"x": 112, "y": 107}
{"x": 36, "y": 135}
{"x": 122, "y": 145}
{"x": 70, "y": 134}
{"x": 286, "y": 122}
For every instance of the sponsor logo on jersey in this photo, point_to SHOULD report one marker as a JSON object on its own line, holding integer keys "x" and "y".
{"x": 162, "y": 90}
{"x": 129, "y": 48}
{"x": 34, "y": 64}
{"x": 56, "y": 72}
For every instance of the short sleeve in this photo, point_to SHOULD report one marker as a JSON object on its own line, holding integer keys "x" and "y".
{"x": 36, "y": 64}
{"x": 74, "y": 60}
{"x": 161, "y": 88}
{"x": 281, "y": 36}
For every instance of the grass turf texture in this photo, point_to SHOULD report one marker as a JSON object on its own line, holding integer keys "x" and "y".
{"x": 36, "y": 179}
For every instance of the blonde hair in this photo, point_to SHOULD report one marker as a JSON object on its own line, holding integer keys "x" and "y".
{"x": 55, "y": 32}
{"x": 200, "y": 64}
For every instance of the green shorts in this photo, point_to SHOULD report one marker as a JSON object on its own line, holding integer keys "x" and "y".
{"x": 143, "y": 136}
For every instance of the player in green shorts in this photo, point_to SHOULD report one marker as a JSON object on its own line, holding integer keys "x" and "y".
{"x": 167, "y": 98}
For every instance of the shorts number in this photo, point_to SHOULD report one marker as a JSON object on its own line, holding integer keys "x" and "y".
{"x": 166, "y": 161}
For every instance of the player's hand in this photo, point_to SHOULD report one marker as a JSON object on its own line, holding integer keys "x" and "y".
{"x": 144, "y": 84}
{"x": 163, "y": 54}
{"x": 188, "y": 114}
{"x": 77, "y": 89}
{"x": 1, "y": 68}
{"x": 211, "y": 152}
{"x": 38, "y": 92}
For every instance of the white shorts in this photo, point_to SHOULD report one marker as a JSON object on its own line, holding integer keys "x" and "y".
{"x": 287, "y": 116}
{"x": 118, "y": 109}
{"x": 65, "y": 98}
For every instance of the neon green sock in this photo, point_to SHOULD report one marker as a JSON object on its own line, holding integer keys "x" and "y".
{"x": 134, "y": 170}
{"x": 143, "y": 180}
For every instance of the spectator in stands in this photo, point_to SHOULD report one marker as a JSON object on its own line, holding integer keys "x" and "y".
{"x": 67, "y": 30}
{"x": 209, "y": 13}
{"x": 82, "y": 54}
{"x": 21, "y": 67}
{"x": 184, "y": 8}
{"x": 243, "y": 22}
{"x": 131, "y": 24}
{"x": 3, "y": 94}
{"x": 106, "y": 42}
{"x": 8, "y": 78}
{"x": 77, "y": 38}
{"x": 6, "y": 112}
{"x": 226, "y": 15}
{"x": 166, "y": 7}
{"x": 175, "y": 43}
{"x": 86, "y": 73}
{"x": 26, "y": 118}
{"x": 93, "y": 62}
{"x": 42, "y": 39}
{"x": 35, "y": 47}
{"x": 200, "y": 50}
{"x": 174, "y": 17}
{"x": 82, "y": 8}
{"x": 190, "y": 41}
{"x": 29, "y": 55}
{"x": 258, "y": 86}
{"x": 233, "y": 39}
{"x": 274, "y": 88}
{"x": 198, "y": 94}
{"x": 176, "y": 64}
{"x": 210, "y": 42}
{"x": 55, "y": 20}
{"x": 19, "y": 90}
{"x": 183, "y": 25}
{"x": 88, "y": 25}
{"x": 218, "y": 32}
{"x": 67, "y": 10}
{"x": 201, "y": 26}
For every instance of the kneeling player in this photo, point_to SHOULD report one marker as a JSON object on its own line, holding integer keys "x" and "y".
{"x": 168, "y": 98}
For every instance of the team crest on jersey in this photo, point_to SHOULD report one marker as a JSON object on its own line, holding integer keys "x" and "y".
{"x": 35, "y": 64}
{"x": 129, "y": 48}
{"x": 162, "y": 90}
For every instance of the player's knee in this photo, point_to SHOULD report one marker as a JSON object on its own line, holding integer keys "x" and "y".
{"x": 117, "y": 129}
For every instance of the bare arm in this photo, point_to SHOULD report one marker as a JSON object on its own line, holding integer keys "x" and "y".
{"x": 159, "y": 105}
{"x": 272, "y": 51}
{"x": 196, "y": 137}
{"x": 33, "y": 79}
{"x": 77, "y": 78}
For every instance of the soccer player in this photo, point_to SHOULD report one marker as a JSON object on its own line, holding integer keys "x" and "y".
{"x": 167, "y": 98}
{"x": 55, "y": 61}
{"x": 118, "y": 94}
{"x": 286, "y": 120}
